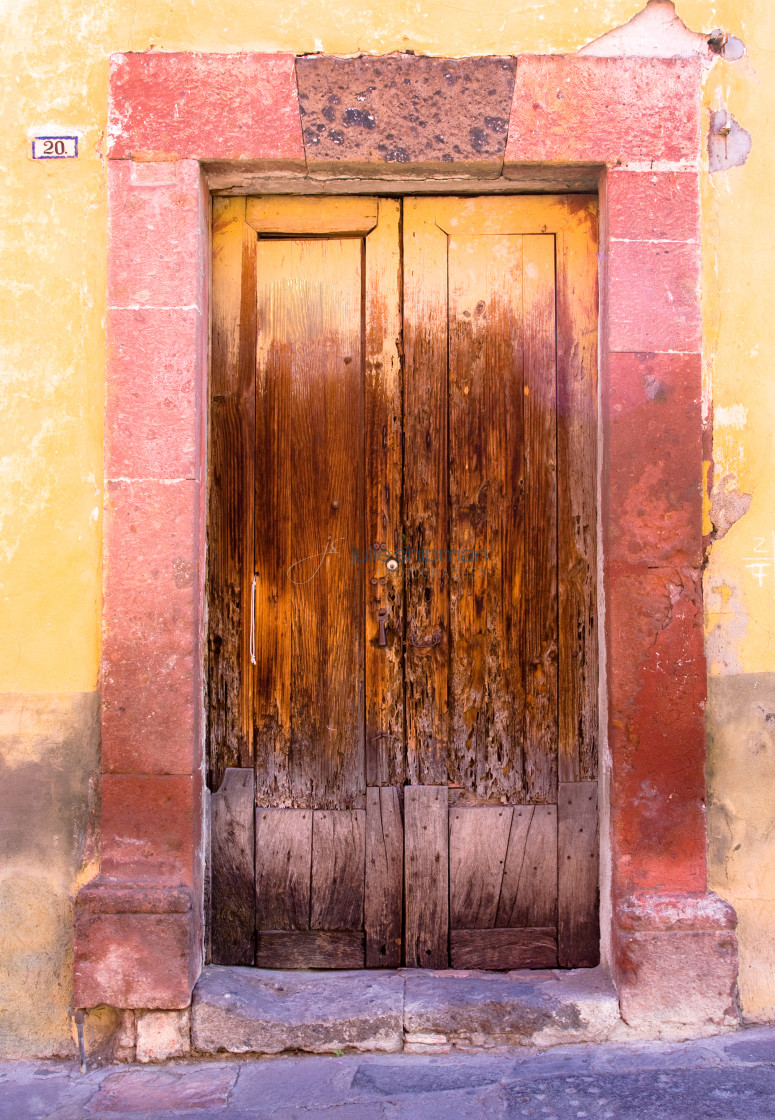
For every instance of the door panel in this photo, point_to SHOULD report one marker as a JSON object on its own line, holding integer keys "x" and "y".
{"x": 492, "y": 573}
{"x": 310, "y": 500}
{"x": 426, "y": 515}
{"x": 385, "y": 753}
{"x": 424, "y": 558}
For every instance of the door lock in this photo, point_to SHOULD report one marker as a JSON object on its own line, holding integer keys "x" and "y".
{"x": 381, "y": 616}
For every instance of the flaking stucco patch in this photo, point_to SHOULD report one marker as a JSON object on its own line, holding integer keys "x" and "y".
{"x": 656, "y": 32}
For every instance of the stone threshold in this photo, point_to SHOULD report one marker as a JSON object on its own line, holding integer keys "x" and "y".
{"x": 261, "y": 1011}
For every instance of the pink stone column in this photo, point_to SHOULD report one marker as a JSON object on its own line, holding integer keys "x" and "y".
{"x": 139, "y": 925}
{"x": 674, "y": 948}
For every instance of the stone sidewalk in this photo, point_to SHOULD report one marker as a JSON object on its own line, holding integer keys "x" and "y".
{"x": 727, "y": 1077}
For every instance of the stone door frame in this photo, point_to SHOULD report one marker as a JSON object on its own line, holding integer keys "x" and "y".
{"x": 181, "y": 125}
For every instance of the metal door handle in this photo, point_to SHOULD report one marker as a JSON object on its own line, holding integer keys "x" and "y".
{"x": 426, "y": 643}
{"x": 253, "y": 622}
{"x": 381, "y": 616}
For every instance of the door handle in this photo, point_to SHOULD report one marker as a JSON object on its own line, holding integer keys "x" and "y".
{"x": 381, "y": 616}
{"x": 426, "y": 643}
{"x": 253, "y": 622}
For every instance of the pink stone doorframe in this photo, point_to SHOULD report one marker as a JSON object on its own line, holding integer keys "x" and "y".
{"x": 179, "y": 122}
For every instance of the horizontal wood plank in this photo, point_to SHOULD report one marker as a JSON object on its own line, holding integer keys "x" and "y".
{"x": 312, "y": 216}
{"x": 310, "y": 949}
{"x": 503, "y": 948}
{"x": 489, "y": 216}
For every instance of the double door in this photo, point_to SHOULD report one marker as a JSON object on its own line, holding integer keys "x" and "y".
{"x": 403, "y": 660}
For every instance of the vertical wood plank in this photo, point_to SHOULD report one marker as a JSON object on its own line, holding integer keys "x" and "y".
{"x": 426, "y": 876}
{"x": 529, "y": 894}
{"x": 338, "y": 866}
{"x": 272, "y": 535}
{"x": 283, "y": 868}
{"x": 536, "y": 899}
{"x": 486, "y": 457}
{"x": 232, "y": 869}
{"x": 522, "y": 817}
{"x": 578, "y": 875}
{"x": 327, "y": 622}
{"x": 425, "y": 493}
{"x": 230, "y": 488}
{"x": 310, "y": 503}
{"x": 577, "y": 496}
{"x": 384, "y": 877}
{"x": 385, "y": 762}
{"x": 541, "y": 618}
{"x": 478, "y": 841}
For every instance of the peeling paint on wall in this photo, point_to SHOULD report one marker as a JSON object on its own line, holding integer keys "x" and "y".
{"x": 727, "y": 505}
{"x": 729, "y": 145}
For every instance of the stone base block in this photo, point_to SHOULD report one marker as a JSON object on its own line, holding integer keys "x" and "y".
{"x": 677, "y": 963}
{"x": 162, "y": 1035}
{"x": 135, "y": 947}
{"x": 686, "y": 979}
{"x": 243, "y": 1010}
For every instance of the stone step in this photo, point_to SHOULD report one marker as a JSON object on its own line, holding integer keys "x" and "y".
{"x": 261, "y": 1011}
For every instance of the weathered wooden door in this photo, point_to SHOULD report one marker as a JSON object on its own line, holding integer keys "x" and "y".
{"x": 402, "y": 568}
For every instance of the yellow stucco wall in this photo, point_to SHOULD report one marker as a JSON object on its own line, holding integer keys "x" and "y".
{"x": 53, "y": 222}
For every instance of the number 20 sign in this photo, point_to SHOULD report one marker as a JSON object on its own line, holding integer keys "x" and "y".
{"x": 55, "y": 147}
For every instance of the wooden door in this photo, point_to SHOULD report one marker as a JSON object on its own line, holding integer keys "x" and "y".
{"x": 402, "y": 640}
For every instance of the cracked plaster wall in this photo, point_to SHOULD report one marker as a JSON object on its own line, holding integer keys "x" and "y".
{"x": 53, "y": 248}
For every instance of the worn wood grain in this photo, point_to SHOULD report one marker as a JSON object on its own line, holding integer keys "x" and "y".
{"x": 338, "y": 867}
{"x": 385, "y": 757}
{"x": 577, "y": 498}
{"x": 488, "y": 678}
{"x": 232, "y": 869}
{"x": 426, "y": 846}
{"x": 540, "y": 587}
{"x": 230, "y": 486}
{"x": 478, "y": 841}
{"x": 529, "y": 891}
{"x": 486, "y": 484}
{"x": 310, "y": 216}
{"x": 272, "y": 550}
{"x": 283, "y": 868}
{"x": 384, "y": 877}
{"x": 578, "y": 875}
{"x": 309, "y": 502}
{"x": 426, "y": 517}
{"x": 311, "y": 949}
{"x": 503, "y": 948}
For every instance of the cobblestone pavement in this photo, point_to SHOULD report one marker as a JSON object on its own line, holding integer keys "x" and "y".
{"x": 730, "y": 1077}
